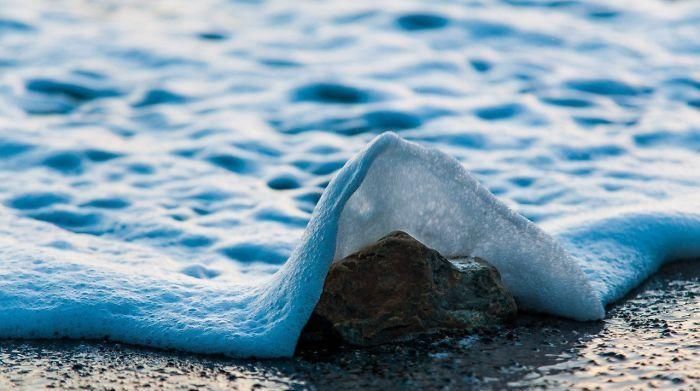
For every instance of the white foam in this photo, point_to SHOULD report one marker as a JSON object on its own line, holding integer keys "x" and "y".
{"x": 619, "y": 248}
{"x": 81, "y": 286}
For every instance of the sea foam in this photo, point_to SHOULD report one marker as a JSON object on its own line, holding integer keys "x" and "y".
{"x": 83, "y": 286}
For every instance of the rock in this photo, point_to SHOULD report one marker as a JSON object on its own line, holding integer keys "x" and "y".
{"x": 397, "y": 288}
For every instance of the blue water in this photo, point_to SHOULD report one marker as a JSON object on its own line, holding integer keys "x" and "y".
{"x": 180, "y": 148}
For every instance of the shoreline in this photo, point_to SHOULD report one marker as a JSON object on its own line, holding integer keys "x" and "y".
{"x": 650, "y": 338}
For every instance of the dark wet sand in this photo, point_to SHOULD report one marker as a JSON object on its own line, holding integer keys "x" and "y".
{"x": 650, "y": 339}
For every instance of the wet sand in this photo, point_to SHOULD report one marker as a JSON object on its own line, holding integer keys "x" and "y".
{"x": 649, "y": 340}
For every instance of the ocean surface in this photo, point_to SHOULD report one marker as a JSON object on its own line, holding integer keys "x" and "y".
{"x": 160, "y": 161}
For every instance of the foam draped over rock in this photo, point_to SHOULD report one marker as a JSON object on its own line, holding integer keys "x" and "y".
{"x": 55, "y": 283}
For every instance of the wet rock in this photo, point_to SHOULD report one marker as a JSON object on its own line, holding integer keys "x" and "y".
{"x": 397, "y": 288}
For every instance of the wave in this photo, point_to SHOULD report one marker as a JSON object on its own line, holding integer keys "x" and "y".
{"x": 91, "y": 287}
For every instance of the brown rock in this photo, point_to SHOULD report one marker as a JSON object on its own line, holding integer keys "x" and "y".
{"x": 398, "y": 288}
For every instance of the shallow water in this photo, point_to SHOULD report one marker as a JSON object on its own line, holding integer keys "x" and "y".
{"x": 206, "y": 132}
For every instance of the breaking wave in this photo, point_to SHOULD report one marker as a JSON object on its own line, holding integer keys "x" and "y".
{"x": 82, "y": 286}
